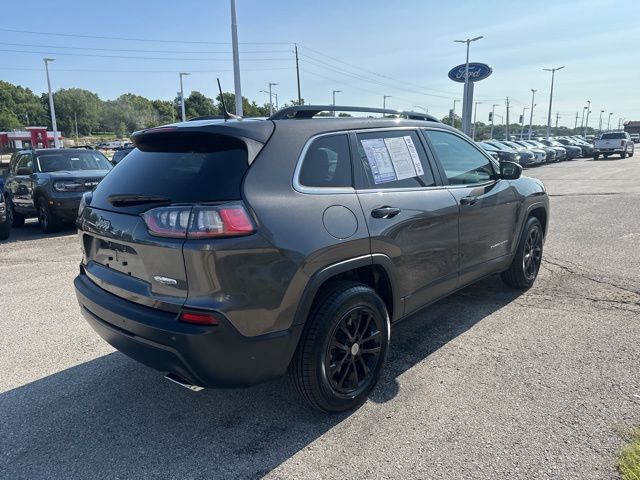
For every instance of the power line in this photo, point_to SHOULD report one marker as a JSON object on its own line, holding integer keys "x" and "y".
{"x": 140, "y": 71}
{"x": 129, "y": 39}
{"x": 31, "y": 45}
{"x": 48, "y": 52}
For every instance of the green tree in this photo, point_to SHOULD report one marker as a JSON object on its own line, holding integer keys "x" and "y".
{"x": 164, "y": 111}
{"x": 20, "y": 107}
{"x": 249, "y": 109}
{"x": 77, "y": 103}
{"x": 198, "y": 105}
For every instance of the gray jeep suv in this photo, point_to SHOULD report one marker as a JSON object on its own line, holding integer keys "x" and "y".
{"x": 224, "y": 254}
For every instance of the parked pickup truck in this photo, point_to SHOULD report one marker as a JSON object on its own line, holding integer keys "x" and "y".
{"x": 613, "y": 143}
{"x": 635, "y": 137}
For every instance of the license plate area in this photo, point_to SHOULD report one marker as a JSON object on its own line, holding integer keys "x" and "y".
{"x": 117, "y": 256}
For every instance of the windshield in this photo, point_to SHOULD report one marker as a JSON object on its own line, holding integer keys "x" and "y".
{"x": 610, "y": 136}
{"x": 72, "y": 160}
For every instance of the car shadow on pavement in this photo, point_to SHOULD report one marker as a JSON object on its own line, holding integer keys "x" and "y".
{"x": 32, "y": 231}
{"x": 112, "y": 417}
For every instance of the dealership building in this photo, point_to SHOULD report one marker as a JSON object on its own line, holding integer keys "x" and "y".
{"x": 30, "y": 137}
{"x": 632, "y": 126}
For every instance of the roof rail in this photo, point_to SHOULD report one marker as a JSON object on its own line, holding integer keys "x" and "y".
{"x": 310, "y": 111}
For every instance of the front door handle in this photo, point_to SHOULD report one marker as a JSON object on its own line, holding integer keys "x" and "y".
{"x": 470, "y": 200}
{"x": 385, "y": 212}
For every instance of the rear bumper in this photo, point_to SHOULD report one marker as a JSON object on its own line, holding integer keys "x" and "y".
{"x": 213, "y": 357}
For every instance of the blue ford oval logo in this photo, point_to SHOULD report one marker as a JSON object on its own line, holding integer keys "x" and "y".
{"x": 477, "y": 72}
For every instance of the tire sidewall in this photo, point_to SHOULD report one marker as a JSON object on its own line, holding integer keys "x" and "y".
{"x": 532, "y": 223}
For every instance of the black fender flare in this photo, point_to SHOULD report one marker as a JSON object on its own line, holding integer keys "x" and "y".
{"x": 523, "y": 222}
{"x": 324, "y": 274}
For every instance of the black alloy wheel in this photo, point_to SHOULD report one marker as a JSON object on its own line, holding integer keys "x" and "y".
{"x": 526, "y": 262}
{"x": 354, "y": 351}
{"x": 532, "y": 257}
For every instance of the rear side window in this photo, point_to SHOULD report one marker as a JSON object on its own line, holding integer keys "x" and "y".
{"x": 327, "y": 163}
{"x": 462, "y": 162}
{"x": 393, "y": 159}
{"x": 183, "y": 168}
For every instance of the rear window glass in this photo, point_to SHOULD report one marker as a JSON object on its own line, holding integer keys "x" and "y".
{"x": 611, "y": 136}
{"x": 327, "y": 163}
{"x": 72, "y": 160}
{"x": 202, "y": 168}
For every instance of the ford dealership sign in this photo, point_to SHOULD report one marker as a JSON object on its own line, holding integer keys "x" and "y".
{"x": 477, "y": 72}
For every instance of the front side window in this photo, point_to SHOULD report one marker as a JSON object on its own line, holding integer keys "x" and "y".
{"x": 25, "y": 161}
{"x": 462, "y": 162}
{"x": 392, "y": 159}
{"x": 327, "y": 163}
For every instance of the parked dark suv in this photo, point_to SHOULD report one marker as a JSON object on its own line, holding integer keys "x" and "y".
{"x": 226, "y": 254}
{"x": 48, "y": 183}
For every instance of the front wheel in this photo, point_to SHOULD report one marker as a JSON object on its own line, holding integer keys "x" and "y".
{"x": 623, "y": 154}
{"x": 631, "y": 154}
{"x": 341, "y": 354}
{"x": 596, "y": 156}
{"x": 526, "y": 262}
{"x": 14, "y": 218}
{"x": 5, "y": 230}
{"x": 48, "y": 220}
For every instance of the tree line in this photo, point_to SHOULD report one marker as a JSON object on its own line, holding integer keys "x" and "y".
{"x": 21, "y": 107}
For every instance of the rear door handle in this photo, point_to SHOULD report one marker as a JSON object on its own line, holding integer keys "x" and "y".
{"x": 385, "y": 212}
{"x": 470, "y": 200}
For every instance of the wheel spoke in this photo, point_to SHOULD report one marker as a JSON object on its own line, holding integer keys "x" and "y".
{"x": 364, "y": 330}
{"x": 373, "y": 336}
{"x": 344, "y": 374}
{"x": 365, "y": 368}
{"x": 336, "y": 367}
{"x": 370, "y": 351}
{"x": 339, "y": 345}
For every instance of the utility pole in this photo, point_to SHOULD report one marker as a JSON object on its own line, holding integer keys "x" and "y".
{"x": 557, "y": 117}
{"x": 524, "y": 109}
{"x": 466, "y": 114}
{"x": 184, "y": 117}
{"x": 298, "y": 77}
{"x": 475, "y": 113}
{"x": 507, "y": 124}
{"x": 553, "y": 74}
{"x": 333, "y": 114}
{"x": 533, "y": 96}
{"x": 609, "y": 121}
{"x": 586, "y": 122}
{"x": 384, "y": 102}
{"x": 575, "y": 127}
{"x": 271, "y": 84}
{"x": 452, "y": 113}
{"x": 582, "y": 121}
{"x": 493, "y": 115}
{"x": 236, "y": 59}
{"x": 54, "y": 125}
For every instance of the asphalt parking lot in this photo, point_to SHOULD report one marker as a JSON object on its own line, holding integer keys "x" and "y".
{"x": 485, "y": 384}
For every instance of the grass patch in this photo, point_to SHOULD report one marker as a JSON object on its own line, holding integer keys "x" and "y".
{"x": 629, "y": 459}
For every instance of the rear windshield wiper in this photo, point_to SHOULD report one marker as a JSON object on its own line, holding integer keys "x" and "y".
{"x": 135, "y": 199}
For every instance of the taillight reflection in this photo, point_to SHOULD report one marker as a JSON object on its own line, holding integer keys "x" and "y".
{"x": 200, "y": 221}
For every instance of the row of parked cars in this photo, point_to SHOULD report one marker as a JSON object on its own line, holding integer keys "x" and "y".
{"x": 538, "y": 151}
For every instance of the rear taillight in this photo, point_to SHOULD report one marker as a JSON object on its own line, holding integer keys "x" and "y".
{"x": 199, "y": 221}
{"x": 199, "y": 318}
{"x": 622, "y": 143}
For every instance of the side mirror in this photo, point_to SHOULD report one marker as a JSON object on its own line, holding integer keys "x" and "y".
{"x": 510, "y": 170}
{"x": 24, "y": 171}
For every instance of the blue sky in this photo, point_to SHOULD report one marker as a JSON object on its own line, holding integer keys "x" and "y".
{"x": 367, "y": 49}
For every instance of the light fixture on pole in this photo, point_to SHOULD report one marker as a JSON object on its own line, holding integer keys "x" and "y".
{"x": 54, "y": 125}
{"x": 493, "y": 114}
{"x": 524, "y": 109}
{"x": 184, "y": 116}
{"x": 271, "y": 84}
{"x": 466, "y": 116}
{"x": 586, "y": 122}
{"x": 609, "y": 121}
{"x": 553, "y": 74}
{"x": 533, "y": 96}
{"x": 475, "y": 113}
{"x": 582, "y": 121}
{"x": 333, "y": 114}
{"x": 600, "y": 122}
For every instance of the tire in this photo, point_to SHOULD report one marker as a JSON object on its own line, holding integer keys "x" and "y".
{"x": 596, "y": 156}
{"x": 48, "y": 221}
{"x": 14, "y": 218}
{"x": 623, "y": 154}
{"x": 5, "y": 230}
{"x": 328, "y": 345}
{"x": 631, "y": 154}
{"x": 526, "y": 263}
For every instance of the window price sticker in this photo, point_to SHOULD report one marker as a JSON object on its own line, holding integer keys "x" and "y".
{"x": 391, "y": 159}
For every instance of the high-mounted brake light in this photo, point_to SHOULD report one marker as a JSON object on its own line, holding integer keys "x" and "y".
{"x": 199, "y": 221}
{"x": 199, "y": 318}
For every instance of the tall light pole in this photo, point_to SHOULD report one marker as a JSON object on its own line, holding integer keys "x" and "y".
{"x": 271, "y": 84}
{"x": 609, "y": 121}
{"x": 236, "y": 60}
{"x": 582, "y": 121}
{"x": 586, "y": 122}
{"x": 184, "y": 116}
{"x": 553, "y": 74}
{"x": 54, "y": 125}
{"x": 493, "y": 115}
{"x": 533, "y": 96}
{"x": 475, "y": 113}
{"x": 600, "y": 122}
{"x": 524, "y": 109}
{"x": 466, "y": 115}
{"x": 384, "y": 103}
{"x": 333, "y": 114}
{"x": 452, "y": 115}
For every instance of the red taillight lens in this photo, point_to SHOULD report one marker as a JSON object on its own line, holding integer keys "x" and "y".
{"x": 199, "y": 318}
{"x": 200, "y": 221}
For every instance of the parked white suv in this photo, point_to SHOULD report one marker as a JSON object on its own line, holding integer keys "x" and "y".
{"x": 613, "y": 143}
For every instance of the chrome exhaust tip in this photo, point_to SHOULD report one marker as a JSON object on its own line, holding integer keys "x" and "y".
{"x": 172, "y": 377}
